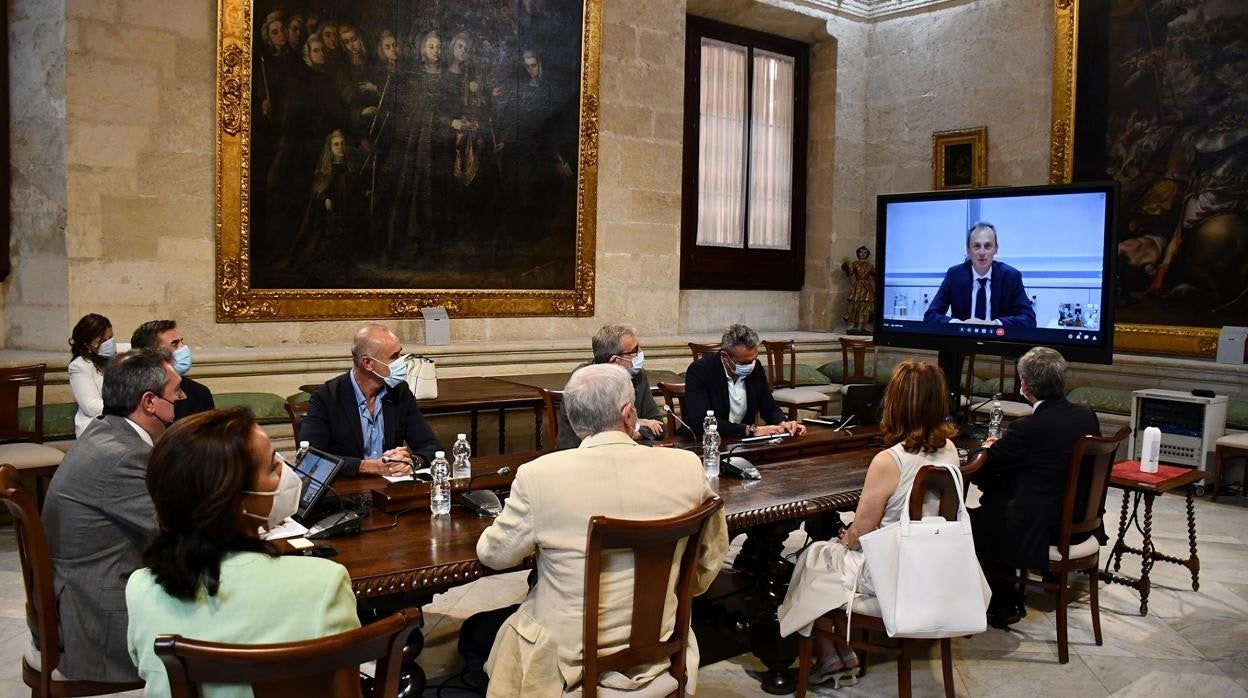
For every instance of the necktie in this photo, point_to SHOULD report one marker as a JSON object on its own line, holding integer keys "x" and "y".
{"x": 981, "y": 300}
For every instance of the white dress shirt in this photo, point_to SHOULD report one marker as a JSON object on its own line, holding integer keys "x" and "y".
{"x": 736, "y": 398}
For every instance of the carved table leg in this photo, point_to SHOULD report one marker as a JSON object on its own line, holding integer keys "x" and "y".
{"x": 761, "y": 556}
{"x": 1149, "y": 552}
{"x": 1116, "y": 555}
{"x": 1193, "y": 563}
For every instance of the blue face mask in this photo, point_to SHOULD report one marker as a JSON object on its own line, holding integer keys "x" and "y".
{"x": 639, "y": 362}
{"x": 398, "y": 372}
{"x": 107, "y": 348}
{"x": 742, "y": 370}
{"x": 182, "y": 360}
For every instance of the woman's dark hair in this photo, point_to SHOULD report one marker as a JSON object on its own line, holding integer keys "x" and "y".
{"x": 196, "y": 476}
{"x": 88, "y": 329}
{"x": 916, "y": 404}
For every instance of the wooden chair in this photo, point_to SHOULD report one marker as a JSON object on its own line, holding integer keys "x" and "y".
{"x": 41, "y": 613}
{"x": 854, "y": 361}
{"x": 784, "y": 388}
{"x": 866, "y": 620}
{"x": 653, "y": 544}
{"x": 674, "y": 397}
{"x": 700, "y": 350}
{"x": 1228, "y": 446}
{"x": 1091, "y": 463}
{"x": 1013, "y": 404}
{"x": 322, "y": 668}
{"x": 297, "y": 411}
{"x": 25, "y": 451}
{"x": 551, "y": 402}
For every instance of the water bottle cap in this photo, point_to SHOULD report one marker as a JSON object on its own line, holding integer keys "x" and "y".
{"x": 710, "y": 412}
{"x": 439, "y": 454}
{"x": 462, "y": 437}
{"x": 305, "y": 444}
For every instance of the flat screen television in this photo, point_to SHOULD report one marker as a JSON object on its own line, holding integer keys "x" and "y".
{"x": 998, "y": 270}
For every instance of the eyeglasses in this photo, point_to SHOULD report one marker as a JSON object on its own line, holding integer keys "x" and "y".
{"x": 630, "y": 354}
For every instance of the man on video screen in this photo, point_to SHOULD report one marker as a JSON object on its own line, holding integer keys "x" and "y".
{"x": 982, "y": 291}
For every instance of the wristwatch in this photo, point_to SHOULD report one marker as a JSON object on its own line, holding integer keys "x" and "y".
{"x": 750, "y": 430}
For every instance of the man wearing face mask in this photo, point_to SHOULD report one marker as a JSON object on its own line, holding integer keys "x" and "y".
{"x": 164, "y": 335}
{"x": 98, "y": 514}
{"x": 368, "y": 415}
{"x": 617, "y": 344}
{"x": 733, "y": 384}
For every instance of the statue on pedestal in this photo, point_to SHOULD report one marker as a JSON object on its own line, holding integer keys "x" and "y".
{"x": 861, "y": 291}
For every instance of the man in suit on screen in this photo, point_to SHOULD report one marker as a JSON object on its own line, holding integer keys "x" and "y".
{"x": 981, "y": 290}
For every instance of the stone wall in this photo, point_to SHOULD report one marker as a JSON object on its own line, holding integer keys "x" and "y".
{"x": 114, "y": 182}
{"x": 36, "y": 298}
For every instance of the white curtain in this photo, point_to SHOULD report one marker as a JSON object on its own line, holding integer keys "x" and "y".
{"x": 721, "y": 149}
{"x": 771, "y": 151}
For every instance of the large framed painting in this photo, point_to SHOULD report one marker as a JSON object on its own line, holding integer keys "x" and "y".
{"x": 379, "y": 156}
{"x": 1152, "y": 93}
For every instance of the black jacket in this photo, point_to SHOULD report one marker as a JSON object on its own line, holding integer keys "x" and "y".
{"x": 706, "y": 388}
{"x": 332, "y": 423}
{"x": 1024, "y": 482}
{"x": 198, "y": 399}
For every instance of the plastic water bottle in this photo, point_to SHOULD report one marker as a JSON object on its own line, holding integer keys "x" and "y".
{"x": 440, "y": 490}
{"x": 1150, "y": 450}
{"x": 461, "y": 452}
{"x": 709, "y": 420}
{"x": 995, "y": 418}
{"x": 710, "y": 451}
{"x": 303, "y": 451}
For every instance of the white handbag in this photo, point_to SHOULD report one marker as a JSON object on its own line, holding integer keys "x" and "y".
{"x": 422, "y": 377}
{"x": 925, "y": 574}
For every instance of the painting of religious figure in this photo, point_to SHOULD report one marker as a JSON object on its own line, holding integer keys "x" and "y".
{"x": 1159, "y": 103}
{"x": 379, "y": 156}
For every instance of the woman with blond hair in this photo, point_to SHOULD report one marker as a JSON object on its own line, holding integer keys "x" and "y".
{"x": 916, "y": 433}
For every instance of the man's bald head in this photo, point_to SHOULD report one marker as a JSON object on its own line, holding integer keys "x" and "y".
{"x": 375, "y": 341}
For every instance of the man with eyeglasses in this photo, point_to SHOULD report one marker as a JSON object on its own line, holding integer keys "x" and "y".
{"x": 368, "y": 415}
{"x": 98, "y": 515}
{"x": 733, "y": 384}
{"x": 618, "y": 344}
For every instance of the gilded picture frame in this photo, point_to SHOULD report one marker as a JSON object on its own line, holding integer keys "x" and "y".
{"x": 960, "y": 158}
{"x": 247, "y": 289}
{"x": 1083, "y": 129}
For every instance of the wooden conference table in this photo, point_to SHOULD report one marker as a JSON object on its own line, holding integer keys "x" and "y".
{"x": 415, "y": 554}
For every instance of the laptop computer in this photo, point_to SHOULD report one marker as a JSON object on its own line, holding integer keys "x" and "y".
{"x": 317, "y": 470}
{"x": 864, "y": 401}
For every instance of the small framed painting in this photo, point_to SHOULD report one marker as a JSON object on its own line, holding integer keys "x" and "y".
{"x": 960, "y": 158}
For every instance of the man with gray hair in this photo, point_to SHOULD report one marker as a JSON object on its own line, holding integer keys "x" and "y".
{"x": 733, "y": 384}
{"x": 618, "y": 345}
{"x": 1024, "y": 481}
{"x": 368, "y": 415}
{"x": 98, "y": 515}
{"x": 538, "y": 650}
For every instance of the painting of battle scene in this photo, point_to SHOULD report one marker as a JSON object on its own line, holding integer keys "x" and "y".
{"x": 1162, "y": 107}
{"x": 415, "y": 144}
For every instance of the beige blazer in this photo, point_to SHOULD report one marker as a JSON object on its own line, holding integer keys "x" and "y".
{"x": 538, "y": 651}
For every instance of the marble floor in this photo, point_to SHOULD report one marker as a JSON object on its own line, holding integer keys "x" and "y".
{"x": 1190, "y": 643}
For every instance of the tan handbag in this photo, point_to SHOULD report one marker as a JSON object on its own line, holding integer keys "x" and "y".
{"x": 422, "y": 377}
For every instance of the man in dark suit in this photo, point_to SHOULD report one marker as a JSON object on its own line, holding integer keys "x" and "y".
{"x": 1024, "y": 480}
{"x": 980, "y": 290}
{"x": 733, "y": 383}
{"x": 618, "y": 344}
{"x": 164, "y": 335}
{"x": 368, "y": 415}
{"x": 98, "y": 514}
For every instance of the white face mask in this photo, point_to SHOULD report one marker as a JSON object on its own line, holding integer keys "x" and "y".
{"x": 107, "y": 348}
{"x": 639, "y": 362}
{"x": 285, "y": 499}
